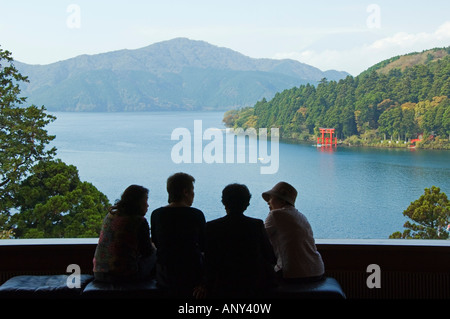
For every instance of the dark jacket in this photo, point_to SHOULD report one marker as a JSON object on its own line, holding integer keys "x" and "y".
{"x": 239, "y": 258}
{"x": 178, "y": 234}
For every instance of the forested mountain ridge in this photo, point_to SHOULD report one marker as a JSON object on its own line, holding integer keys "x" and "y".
{"x": 408, "y": 60}
{"x": 391, "y": 100}
{"x": 178, "y": 74}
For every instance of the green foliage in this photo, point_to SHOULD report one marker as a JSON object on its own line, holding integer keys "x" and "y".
{"x": 23, "y": 139}
{"x": 6, "y": 234}
{"x": 54, "y": 203}
{"x": 398, "y": 104}
{"x": 430, "y": 216}
{"x": 230, "y": 117}
{"x": 39, "y": 196}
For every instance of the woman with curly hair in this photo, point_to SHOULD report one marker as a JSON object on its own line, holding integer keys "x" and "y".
{"x": 124, "y": 251}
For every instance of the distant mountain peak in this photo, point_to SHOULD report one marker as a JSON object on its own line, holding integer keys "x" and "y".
{"x": 174, "y": 74}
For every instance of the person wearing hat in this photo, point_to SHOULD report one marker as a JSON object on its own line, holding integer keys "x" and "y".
{"x": 292, "y": 237}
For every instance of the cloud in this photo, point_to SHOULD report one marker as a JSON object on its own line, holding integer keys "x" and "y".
{"x": 443, "y": 32}
{"x": 358, "y": 58}
{"x": 403, "y": 39}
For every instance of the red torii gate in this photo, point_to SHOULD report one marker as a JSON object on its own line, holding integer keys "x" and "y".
{"x": 327, "y": 140}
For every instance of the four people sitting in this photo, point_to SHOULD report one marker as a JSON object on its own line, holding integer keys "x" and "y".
{"x": 232, "y": 256}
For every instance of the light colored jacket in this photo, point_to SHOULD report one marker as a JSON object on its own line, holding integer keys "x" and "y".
{"x": 292, "y": 238}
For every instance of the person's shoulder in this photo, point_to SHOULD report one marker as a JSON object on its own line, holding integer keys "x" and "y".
{"x": 256, "y": 223}
{"x": 131, "y": 218}
{"x": 216, "y": 226}
{"x": 197, "y": 212}
{"x": 253, "y": 220}
{"x": 215, "y": 222}
{"x": 142, "y": 219}
{"x": 246, "y": 221}
{"x": 156, "y": 214}
{"x": 136, "y": 220}
{"x": 284, "y": 213}
{"x": 295, "y": 212}
{"x": 158, "y": 210}
{"x": 278, "y": 212}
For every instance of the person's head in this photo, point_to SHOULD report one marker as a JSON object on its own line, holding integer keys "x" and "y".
{"x": 281, "y": 195}
{"x": 180, "y": 187}
{"x": 236, "y": 198}
{"x": 134, "y": 201}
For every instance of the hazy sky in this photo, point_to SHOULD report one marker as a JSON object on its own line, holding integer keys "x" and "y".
{"x": 343, "y": 35}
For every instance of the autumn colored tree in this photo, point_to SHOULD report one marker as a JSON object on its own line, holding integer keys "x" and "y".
{"x": 429, "y": 215}
{"x": 6, "y": 234}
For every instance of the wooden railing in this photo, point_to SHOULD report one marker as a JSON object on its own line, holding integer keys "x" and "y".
{"x": 403, "y": 268}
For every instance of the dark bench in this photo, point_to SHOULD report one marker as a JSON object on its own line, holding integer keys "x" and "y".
{"x": 144, "y": 289}
{"x": 46, "y": 286}
{"x": 328, "y": 288}
{"x": 55, "y": 286}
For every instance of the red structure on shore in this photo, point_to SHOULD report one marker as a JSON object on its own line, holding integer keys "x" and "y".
{"x": 326, "y": 141}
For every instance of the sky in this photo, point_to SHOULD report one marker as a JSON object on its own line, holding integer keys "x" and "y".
{"x": 345, "y": 35}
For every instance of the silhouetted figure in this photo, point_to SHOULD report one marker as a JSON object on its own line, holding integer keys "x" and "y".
{"x": 292, "y": 237}
{"x": 124, "y": 251}
{"x": 178, "y": 232}
{"x": 239, "y": 256}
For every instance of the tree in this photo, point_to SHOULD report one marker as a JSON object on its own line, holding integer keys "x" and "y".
{"x": 6, "y": 234}
{"x": 390, "y": 121}
{"x": 348, "y": 122}
{"x": 430, "y": 215}
{"x": 408, "y": 124}
{"x": 230, "y": 117}
{"x": 39, "y": 196}
{"x": 23, "y": 139}
{"x": 54, "y": 203}
{"x": 446, "y": 122}
{"x": 399, "y": 104}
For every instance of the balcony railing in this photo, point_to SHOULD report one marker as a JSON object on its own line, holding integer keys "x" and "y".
{"x": 407, "y": 268}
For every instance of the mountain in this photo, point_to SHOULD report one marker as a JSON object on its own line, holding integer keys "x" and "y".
{"x": 401, "y": 62}
{"x": 179, "y": 74}
{"x": 398, "y": 98}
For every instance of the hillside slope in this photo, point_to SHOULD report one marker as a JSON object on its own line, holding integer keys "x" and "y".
{"x": 178, "y": 74}
{"x": 395, "y": 99}
{"x": 401, "y": 62}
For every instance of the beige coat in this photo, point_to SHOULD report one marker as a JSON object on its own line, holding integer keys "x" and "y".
{"x": 292, "y": 239}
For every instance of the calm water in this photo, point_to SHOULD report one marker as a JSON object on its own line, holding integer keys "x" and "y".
{"x": 345, "y": 193}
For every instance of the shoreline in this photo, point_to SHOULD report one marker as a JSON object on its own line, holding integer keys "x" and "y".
{"x": 354, "y": 141}
{"x": 378, "y": 145}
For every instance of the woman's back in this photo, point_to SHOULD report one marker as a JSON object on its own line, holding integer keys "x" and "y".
{"x": 123, "y": 240}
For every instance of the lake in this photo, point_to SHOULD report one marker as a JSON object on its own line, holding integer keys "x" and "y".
{"x": 344, "y": 193}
